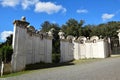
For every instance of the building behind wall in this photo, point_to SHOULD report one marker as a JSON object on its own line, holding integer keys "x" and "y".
{"x": 29, "y": 46}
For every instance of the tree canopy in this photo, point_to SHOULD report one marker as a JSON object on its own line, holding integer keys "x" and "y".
{"x": 6, "y": 50}
{"x": 77, "y": 28}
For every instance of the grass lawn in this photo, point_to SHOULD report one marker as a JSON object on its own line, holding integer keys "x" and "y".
{"x": 15, "y": 74}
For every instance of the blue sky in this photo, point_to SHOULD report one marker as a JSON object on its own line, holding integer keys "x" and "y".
{"x": 56, "y": 11}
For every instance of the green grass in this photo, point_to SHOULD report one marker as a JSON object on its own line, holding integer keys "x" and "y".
{"x": 38, "y": 66}
{"x": 15, "y": 74}
{"x": 82, "y": 61}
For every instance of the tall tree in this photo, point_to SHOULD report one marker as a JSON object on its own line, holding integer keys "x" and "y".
{"x": 86, "y": 30}
{"x": 73, "y": 27}
{"x": 6, "y": 49}
{"x": 45, "y": 26}
{"x": 106, "y": 30}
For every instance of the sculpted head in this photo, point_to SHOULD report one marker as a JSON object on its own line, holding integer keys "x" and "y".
{"x": 23, "y": 18}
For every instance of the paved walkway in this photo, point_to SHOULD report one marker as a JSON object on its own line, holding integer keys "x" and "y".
{"x": 108, "y": 69}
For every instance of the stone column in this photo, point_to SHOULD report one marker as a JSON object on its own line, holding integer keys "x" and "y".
{"x": 19, "y": 39}
{"x": 48, "y": 47}
{"x": 119, "y": 35}
{"x": 62, "y": 46}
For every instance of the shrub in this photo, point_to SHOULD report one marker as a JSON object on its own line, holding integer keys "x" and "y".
{"x": 6, "y": 53}
{"x": 56, "y": 58}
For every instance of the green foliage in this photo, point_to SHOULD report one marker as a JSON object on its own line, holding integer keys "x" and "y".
{"x": 6, "y": 50}
{"x": 46, "y": 26}
{"x": 73, "y": 27}
{"x": 106, "y": 30}
{"x": 55, "y": 58}
{"x": 86, "y": 30}
{"x": 6, "y": 53}
{"x": 7, "y": 42}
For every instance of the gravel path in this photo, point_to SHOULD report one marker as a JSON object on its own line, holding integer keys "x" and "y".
{"x": 107, "y": 69}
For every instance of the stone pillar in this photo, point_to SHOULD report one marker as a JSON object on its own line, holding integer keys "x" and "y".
{"x": 119, "y": 35}
{"x": 48, "y": 46}
{"x": 109, "y": 47}
{"x": 19, "y": 38}
{"x": 62, "y": 46}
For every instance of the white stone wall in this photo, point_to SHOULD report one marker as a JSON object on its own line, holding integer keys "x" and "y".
{"x": 48, "y": 51}
{"x": 88, "y": 49}
{"x": 29, "y": 47}
{"x": 66, "y": 49}
{"x": 76, "y": 51}
{"x": 98, "y": 49}
{"x": 18, "y": 57}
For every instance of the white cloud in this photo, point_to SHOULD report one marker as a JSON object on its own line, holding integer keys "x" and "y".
{"x": 26, "y": 3}
{"x": 107, "y": 16}
{"x": 49, "y": 7}
{"x": 5, "y": 34}
{"x": 82, "y": 11}
{"x": 10, "y": 3}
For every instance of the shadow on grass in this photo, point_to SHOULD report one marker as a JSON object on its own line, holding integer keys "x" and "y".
{"x": 116, "y": 54}
{"x": 46, "y": 65}
{"x": 37, "y": 66}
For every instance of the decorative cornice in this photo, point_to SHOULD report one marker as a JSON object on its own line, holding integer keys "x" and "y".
{"x": 67, "y": 40}
{"x": 22, "y": 24}
{"x": 49, "y": 37}
{"x": 40, "y": 35}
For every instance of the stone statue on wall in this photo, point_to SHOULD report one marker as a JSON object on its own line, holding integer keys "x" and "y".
{"x": 23, "y": 18}
{"x": 50, "y": 33}
{"x": 94, "y": 38}
{"x": 82, "y": 39}
{"x": 61, "y": 34}
{"x": 70, "y": 38}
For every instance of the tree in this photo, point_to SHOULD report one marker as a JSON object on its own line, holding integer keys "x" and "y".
{"x": 6, "y": 53}
{"x": 9, "y": 40}
{"x": 86, "y": 31}
{"x": 6, "y": 49}
{"x": 46, "y": 26}
{"x": 73, "y": 27}
{"x": 106, "y": 30}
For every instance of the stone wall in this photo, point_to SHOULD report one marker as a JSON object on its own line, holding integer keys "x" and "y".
{"x": 99, "y": 49}
{"x": 29, "y": 46}
{"x": 82, "y": 47}
{"x": 66, "y": 50}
